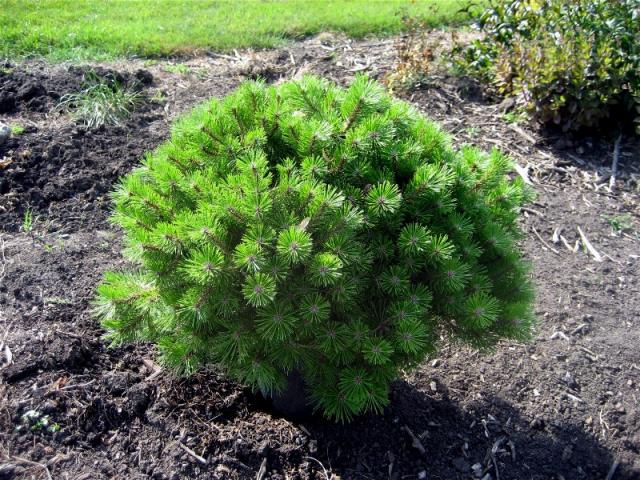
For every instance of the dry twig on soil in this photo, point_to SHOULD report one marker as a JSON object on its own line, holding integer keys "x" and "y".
{"x": 263, "y": 469}
{"x": 614, "y": 165}
{"x": 324, "y": 470}
{"x": 3, "y": 259}
{"x": 5, "y": 351}
{"x": 531, "y": 210}
{"x": 24, "y": 461}
{"x": 200, "y": 459}
{"x": 522, "y": 133}
{"x": 544, "y": 242}
{"x": 585, "y": 241}
{"x": 566, "y": 244}
{"x": 558, "y": 334}
{"x": 415, "y": 441}
{"x": 612, "y": 470}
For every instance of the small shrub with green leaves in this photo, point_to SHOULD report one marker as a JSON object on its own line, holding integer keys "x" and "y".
{"x": 574, "y": 63}
{"x": 304, "y": 227}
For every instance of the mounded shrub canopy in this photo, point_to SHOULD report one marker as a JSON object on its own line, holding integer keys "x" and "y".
{"x": 312, "y": 228}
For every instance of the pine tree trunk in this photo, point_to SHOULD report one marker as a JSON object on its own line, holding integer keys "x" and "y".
{"x": 292, "y": 401}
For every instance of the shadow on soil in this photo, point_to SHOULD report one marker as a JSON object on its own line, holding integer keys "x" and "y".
{"x": 485, "y": 436}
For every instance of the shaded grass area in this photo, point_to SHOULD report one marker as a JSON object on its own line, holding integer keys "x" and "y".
{"x": 106, "y": 29}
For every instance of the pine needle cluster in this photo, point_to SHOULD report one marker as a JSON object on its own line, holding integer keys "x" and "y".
{"x": 330, "y": 231}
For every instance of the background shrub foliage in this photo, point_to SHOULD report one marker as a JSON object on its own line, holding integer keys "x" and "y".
{"x": 575, "y": 63}
{"x": 311, "y": 228}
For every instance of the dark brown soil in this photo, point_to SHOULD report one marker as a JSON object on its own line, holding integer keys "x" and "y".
{"x": 562, "y": 407}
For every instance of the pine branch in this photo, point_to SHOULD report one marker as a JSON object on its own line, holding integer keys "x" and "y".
{"x": 353, "y": 116}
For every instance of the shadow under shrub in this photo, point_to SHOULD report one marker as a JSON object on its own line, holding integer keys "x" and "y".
{"x": 308, "y": 228}
{"x": 572, "y": 63}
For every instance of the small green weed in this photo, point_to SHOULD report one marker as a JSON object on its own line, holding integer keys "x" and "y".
{"x": 27, "y": 221}
{"x": 16, "y": 129}
{"x": 159, "y": 97}
{"x": 202, "y": 73}
{"x": 38, "y": 422}
{"x": 620, "y": 223}
{"x": 101, "y": 102}
{"x": 54, "y": 427}
{"x": 516, "y": 116}
{"x": 180, "y": 68}
{"x": 472, "y": 131}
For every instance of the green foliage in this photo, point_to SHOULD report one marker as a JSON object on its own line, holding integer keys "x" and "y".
{"x": 100, "y": 102}
{"x": 620, "y": 223}
{"x": 27, "y": 221}
{"x": 17, "y": 129}
{"x": 180, "y": 68}
{"x": 304, "y": 226}
{"x": 516, "y": 116}
{"x": 574, "y": 63}
{"x": 37, "y": 422}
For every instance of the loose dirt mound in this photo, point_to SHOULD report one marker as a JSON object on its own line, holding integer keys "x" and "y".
{"x": 562, "y": 407}
{"x": 55, "y": 163}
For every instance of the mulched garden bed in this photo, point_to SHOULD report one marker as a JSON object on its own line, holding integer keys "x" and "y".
{"x": 565, "y": 406}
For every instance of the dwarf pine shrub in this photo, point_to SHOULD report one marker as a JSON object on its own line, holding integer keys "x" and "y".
{"x": 304, "y": 227}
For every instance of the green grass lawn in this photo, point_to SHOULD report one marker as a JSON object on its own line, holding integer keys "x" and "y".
{"x": 104, "y": 29}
